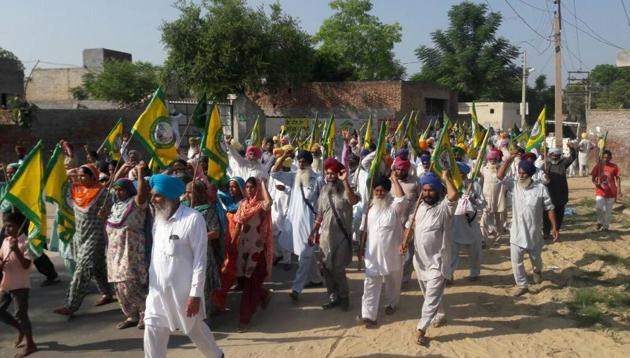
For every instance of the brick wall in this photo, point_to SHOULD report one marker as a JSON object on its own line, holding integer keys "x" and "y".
{"x": 78, "y": 126}
{"x": 53, "y": 84}
{"x": 617, "y": 123}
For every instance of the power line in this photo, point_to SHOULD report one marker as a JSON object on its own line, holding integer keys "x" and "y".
{"x": 625, "y": 11}
{"x": 525, "y": 22}
{"x": 577, "y": 34}
{"x": 592, "y": 34}
{"x": 532, "y": 6}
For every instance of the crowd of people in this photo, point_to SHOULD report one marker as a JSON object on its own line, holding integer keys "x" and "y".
{"x": 170, "y": 246}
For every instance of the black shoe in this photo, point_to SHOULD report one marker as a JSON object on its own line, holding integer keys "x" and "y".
{"x": 294, "y": 296}
{"x": 50, "y": 282}
{"x": 331, "y": 304}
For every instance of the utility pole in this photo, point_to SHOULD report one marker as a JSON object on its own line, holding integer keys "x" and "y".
{"x": 558, "y": 89}
{"x": 524, "y": 90}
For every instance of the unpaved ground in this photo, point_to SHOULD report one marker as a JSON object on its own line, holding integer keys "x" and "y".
{"x": 483, "y": 319}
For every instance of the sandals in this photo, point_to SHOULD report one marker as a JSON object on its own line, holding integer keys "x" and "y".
{"x": 126, "y": 324}
{"x": 104, "y": 300}
{"x": 422, "y": 339}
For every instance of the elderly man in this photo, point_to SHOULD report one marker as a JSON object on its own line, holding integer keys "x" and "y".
{"x": 529, "y": 200}
{"x": 429, "y": 226}
{"x": 383, "y": 228}
{"x": 494, "y": 214}
{"x": 249, "y": 166}
{"x": 334, "y": 225}
{"x": 305, "y": 187}
{"x": 177, "y": 272}
{"x": 556, "y": 170}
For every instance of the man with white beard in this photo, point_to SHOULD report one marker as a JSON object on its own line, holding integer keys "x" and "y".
{"x": 529, "y": 200}
{"x": 333, "y": 224}
{"x": 177, "y": 272}
{"x": 305, "y": 189}
{"x": 383, "y": 228}
{"x": 494, "y": 214}
{"x": 247, "y": 167}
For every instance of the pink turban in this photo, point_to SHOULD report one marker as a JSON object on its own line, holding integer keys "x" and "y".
{"x": 402, "y": 164}
{"x": 493, "y": 154}
{"x": 254, "y": 150}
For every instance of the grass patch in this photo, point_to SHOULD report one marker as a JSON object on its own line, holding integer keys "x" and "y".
{"x": 614, "y": 260}
{"x": 586, "y": 307}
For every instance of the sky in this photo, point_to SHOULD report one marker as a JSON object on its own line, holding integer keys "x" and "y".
{"x": 56, "y": 32}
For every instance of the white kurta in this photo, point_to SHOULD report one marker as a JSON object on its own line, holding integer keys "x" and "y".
{"x": 241, "y": 167}
{"x": 384, "y": 236}
{"x": 432, "y": 239}
{"x": 280, "y": 206}
{"x": 178, "y": 270}
{"x": 300, "y": 216}
{"x": 466, "y": 219}
{"x": 493, "y": 190}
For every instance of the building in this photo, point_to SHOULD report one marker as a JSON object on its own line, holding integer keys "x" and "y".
{"x": 52, "y": 87}
{"x": 350, "y": 102}
{"x": 11, "y": 80}
{"x": 501, "y": 115}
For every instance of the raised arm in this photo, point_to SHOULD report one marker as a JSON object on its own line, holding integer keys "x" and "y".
{"x": 505, "y": 166}
{"x": 143, "y": 188}
{"x": 266, "y": 197}
{"x": 451, "y": 192}
{"x": 352, "y": 196}
{"x": 397, "y": 190}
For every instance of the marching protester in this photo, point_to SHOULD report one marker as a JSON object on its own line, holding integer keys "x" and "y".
{"x": 606, "y": 177}
{"x": 529, "y": 201}
{"x": 177, "y": 273}
{"x": 383, "y": 227}
{"x": 585, "y": 146}
{"x": 466, "y": 230}
{"x": 126, "y": 267}
{"x": 429, "y": 228}
{"x": 556, "y": 171}
{"x": 493, "y": 216}
{"x": 88, "y": 198}
{"x": 332, "y": 228}
{"x": 280, "y": 190}
{"x": 15, "y": 265}
{"x": 306, "y": 186}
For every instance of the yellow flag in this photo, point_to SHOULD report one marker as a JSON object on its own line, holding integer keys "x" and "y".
{"x": 155, "y": 131}
{"x": 56, "y": 191}
{"x": 443, "y": 158}
{"x": 114, "y": 140}
{"x": 537, "y": 134}
{"x": 367, "y": 140}
{"x": 25, "y": 192}
{"x": 211, "y": 147}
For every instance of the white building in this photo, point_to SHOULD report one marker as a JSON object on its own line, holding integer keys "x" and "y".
{"x": 494, "y": 114}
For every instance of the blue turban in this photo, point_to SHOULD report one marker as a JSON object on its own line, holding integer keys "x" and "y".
{"x": 307, "y": 156}
{"x": 432, "y": 180}
{"x": 403, "y": 154}
{"x": 528, "y": 167}
{"x": 388, "y": 147}
{"x": 167, "y": 186}
{"x": 365, "y": 152}
{"x": 425, "y": 158}
{"x": 463, "y": 168}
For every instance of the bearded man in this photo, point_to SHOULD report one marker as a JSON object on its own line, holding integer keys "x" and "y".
{"x": 383, "y": 227}
{"x": 334, "y": 225}
{"x": 430, "y": 227}
{"x": 177, "y": 272}
{"x": 494, "y": 214}
{"x": 530, "y": 199}
{"x": 305, "y": 187}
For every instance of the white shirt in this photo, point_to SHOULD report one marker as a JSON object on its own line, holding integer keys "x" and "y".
{"x": 528, "y": 206}
{"x": 241, "y": 167}
{"x": 384, "y": 236}
{"x": 178, "y": 269}
{"x": 432, "y": 239}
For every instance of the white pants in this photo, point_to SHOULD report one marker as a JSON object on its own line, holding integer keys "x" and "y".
{"x": 156, "y": 341}
{"x": 432, "y": 307}
{"x": 583, "y": 163}
{"x": 604, "y": 210}
{"x": 492, "y": 222}
{"x": 372, "y": 287}
{"x": 308, "y": 269}
{"x": 474, "y": 256}
{"x": 517, "y": 255}
{"x": 280, "y": 252}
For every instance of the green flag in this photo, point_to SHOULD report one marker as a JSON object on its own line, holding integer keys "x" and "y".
{"x": 200, "y": 114}
{"x": 379, "y": 158}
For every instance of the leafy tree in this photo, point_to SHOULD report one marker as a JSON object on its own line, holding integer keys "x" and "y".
{"x": 354, "y": 39}
{"x": 539, "y": 96}
{"x": 11, "y": 56}
{"x": 223, "y": 46}
{"x": 470, "y": 58}
{"x": 610, "y": 87}
{"x": 121, "y": 81}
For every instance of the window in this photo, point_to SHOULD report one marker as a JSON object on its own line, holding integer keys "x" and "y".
{"x": 491, "y": 110}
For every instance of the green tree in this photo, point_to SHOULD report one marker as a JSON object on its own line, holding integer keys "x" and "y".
{"x": 354, "y": 39}
{"x": 610, "y": 87}
{"x": 223, "y": 46}
{"x": 121, "y": 81}
{"x": 539, "y": 96}
{"x": 11, "y": 56}
{"x": 470, "y": 58}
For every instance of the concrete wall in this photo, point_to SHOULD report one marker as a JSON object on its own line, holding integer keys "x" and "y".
{"x": 11, "y": 79}
{"x": 495, "y": 114}
{"x": 53, "y": 84}
{"x": 93, "y": 58}
{"x": 78, "y": 126}
{"x": 617, "y": 123}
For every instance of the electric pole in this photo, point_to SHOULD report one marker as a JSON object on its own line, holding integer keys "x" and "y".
{"x": 524, "y": 90}
{"x": 558, "y": 89}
